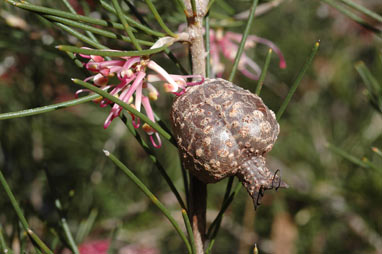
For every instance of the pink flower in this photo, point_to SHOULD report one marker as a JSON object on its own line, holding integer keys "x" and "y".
{"x": 135, "y": 86}
{"x": 94, "y": 247}
{"x": 228, "y": 44}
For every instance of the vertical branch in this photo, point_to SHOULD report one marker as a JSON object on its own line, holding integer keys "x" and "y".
{"x": 195, "y": 30}
{"x": 198, "y": 206}
{"x": 198, "y": 190}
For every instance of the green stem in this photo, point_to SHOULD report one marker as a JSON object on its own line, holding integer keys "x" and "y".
{"x": 124, "y": 106}
{"x": 150, "y": 195}
{"x": 297, "y": 81}
{"x": 243, "y": 40}
{"x": 141, "y": 27}
{"x": 21, "y": 217}
{"x": 126, "y": 26}
{"x": 109, "y": 52}
{"x": 187, "y": 223}
{"x": 49, "y": 108}
{"x": 264, "y": 72}
{"x": 159, "y": 19}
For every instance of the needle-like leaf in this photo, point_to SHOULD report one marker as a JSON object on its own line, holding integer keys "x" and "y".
{"x": 150, "y": 195}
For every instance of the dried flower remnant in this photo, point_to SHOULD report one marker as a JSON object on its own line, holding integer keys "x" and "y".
{"x": 135, "y": 86}
{"x": 227, "y": 44}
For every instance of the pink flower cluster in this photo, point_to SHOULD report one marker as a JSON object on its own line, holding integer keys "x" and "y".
{"x": 135, "y": 86}
{"x": 227, "y": 44}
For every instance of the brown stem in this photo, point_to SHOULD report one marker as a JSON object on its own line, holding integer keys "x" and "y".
{"x": 198, "y": 189}
{"x": 198, "y": 206}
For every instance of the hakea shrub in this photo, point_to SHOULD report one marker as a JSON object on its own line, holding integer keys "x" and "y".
{"x": 134, "y": 86}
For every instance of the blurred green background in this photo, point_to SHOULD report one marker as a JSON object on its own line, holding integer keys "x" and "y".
{"x": 332, "y": 205}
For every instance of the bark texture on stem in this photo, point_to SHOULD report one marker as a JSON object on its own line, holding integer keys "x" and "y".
{"x": 198, "y": 189}
{"x": 195, "y": 31}
{"x": 198, "y": 206}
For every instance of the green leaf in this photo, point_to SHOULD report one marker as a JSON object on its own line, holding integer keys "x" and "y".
{"x": 260, "y": 82}
{"x": 152, "y": 156}
{"x": 150, "y": 195}
{"x": 297, "y": 81}
{"x": 352, "y": 16}
{"x": 126, "y": 26}
{"x": 159, "y": 19}
{"x": 131, "y": 21}
{"x": 243, "y": 40}
{"x": 36, "y": 240}
{"x": 86, "y": 226}
{"x": 49, "y": 108}
{"x": 347, "y": 156}
{"x": 189, "y": 230}
{"x": 115, "y": 53}
{"x": 64, "y": 14}
{"x": 95, "y": 30}
{"x": 370, "y": 81}
{"x": 3, "y": 244}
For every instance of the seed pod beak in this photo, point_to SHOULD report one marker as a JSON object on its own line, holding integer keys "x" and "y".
{"x": 257, "y": 178}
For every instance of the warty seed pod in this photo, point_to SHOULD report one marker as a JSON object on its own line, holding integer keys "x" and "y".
{"x": 223, "y": 130}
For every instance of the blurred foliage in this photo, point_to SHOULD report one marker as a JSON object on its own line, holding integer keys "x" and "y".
{"x": 332, "y": 206}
